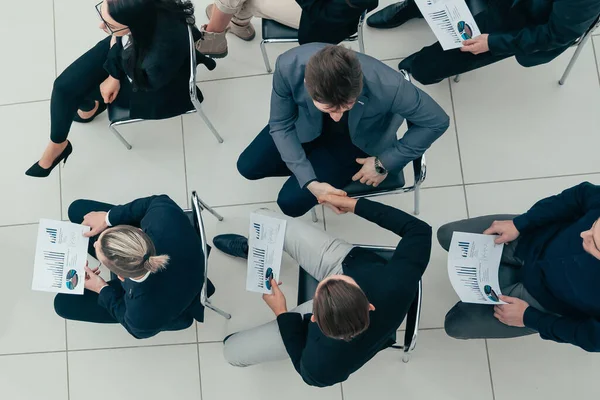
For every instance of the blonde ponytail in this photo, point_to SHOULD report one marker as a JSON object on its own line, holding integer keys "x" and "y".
{"x": 157, "y": 263}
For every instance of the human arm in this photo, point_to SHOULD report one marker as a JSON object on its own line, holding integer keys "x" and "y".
{"x": 569, "y": 205}
{"x": 568, "y": 20}
{"x": 428, "y": 121}
{"x": 133, "y": 213}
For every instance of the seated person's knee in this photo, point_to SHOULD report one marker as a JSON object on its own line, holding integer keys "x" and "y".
{"x": 290, "y": 205}
{"x": 75, "y": 212}
{"x": 59, "y": 306}
{"x": 246, "y": 167}
{"x": 444, "y": 235}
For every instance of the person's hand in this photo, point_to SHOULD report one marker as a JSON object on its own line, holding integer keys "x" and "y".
{"x": 511, "y": 314}
{"x": 339, "y": 204}
{"x": 113, "y": 39}
{"x": 322, "y": 188}
{"x": 477, "y": 45}
{"x": 109, "y": 89}
{"x": 275, "y": 300}
{"x": 368, "y": 174}
{"x": 506, "y": 230}
{"x": 95, "y": 220}
{"x": 93, "y": 281}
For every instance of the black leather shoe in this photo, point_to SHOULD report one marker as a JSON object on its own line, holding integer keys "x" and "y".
{"x": 231, "y": 244}
{"x": 100, "y": 110}
{"x": 394, "y": 15}
{"x": 37, "y": 171}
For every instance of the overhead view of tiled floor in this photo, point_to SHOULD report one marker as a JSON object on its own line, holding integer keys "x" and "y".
{"x": 516, "y": 136}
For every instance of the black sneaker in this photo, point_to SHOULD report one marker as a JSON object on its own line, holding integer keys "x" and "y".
{"x": 232, "y": 244}
{"x": 394, "y": 15}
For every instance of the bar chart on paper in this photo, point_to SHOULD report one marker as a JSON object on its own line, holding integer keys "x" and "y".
{"x": 60, "y": 257}
{"x": 265, "y": 249}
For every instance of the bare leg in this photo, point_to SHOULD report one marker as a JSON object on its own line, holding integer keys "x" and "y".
{"x": 218, "y": 21}
{"x": 88, "y": 114}
{"x": 52, "y": 151}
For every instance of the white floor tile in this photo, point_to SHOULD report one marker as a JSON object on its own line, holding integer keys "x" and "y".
{"x": 438, "y": 296}
{"x": 239, "y": 117}
{"x": 516, "y": 122}
{"x": 102, "y": 169}
{"x": 267, "y": 381}
{"x": 34, "y": 376}
{"x": 440, "y": 368}
{"x": 229, "y": 277}
{"x": 28, "y": 65}
{"x": 26, "y": 131}
{"x": 532, "y": 368}
{"x": 29, "y": 322}
{"x": 151, "y": 373}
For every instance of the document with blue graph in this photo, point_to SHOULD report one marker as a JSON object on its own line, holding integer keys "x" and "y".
{"x": 60, "y": 257}
{"x": 450, "y": 20}
{"x": 473, "y": 265}
{"x": 265, "y": 249}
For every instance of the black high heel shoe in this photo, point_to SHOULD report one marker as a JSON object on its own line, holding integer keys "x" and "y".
{"x": 38, "y": 172}
{"x": 100, "y": 110}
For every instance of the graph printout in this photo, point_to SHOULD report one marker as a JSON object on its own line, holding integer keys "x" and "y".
{"x": 265, "y": 249}
{"x": 450, "y": 20}
{"x": 60, "y": 257}
{"x": 473, "y": 265}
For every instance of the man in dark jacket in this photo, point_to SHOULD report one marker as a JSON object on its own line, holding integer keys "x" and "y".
{"x": 534, "y": 31}
{"x": 550, "y": 270}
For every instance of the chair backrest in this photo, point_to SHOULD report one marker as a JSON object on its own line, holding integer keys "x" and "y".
{"x": 199, "y": 225}
{"x": 193, "y": 65}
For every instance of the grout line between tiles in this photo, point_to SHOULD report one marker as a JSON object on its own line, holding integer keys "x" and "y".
{"x": 60, "y": 199}
{"x": 199, "y": 368}
{"x": 67, "y": 359}
{"x": 487, "y": 352}
{"x": 596, "y": 57}
{"x": 232, "y": 77}
{"x": 462, "y": 172}
{"x": 536, "y": 178}
{"x": 18, "y": 103}
{"x": 187, "y": 189}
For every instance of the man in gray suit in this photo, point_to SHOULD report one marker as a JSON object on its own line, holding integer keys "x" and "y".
{"x": 334, "y": 118}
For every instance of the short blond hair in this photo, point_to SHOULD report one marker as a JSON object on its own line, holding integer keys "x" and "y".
{"x": 130, "y": 252}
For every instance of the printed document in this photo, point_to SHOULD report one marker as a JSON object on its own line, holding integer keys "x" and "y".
{"x": 60, "y": 257}
{"x": 450, "y": 20}
{"x": 265, "y": 249}
{"x": 473, "y": 265}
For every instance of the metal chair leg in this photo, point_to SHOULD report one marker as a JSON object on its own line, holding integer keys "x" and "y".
{"x": 210, "y": 209}
{"x": 222, "y": 313}
{"x": 200, "y": 112}
{"x": 457, "y": 78}
{"x": 361, "y": 41}
{"x": 574, "y": 59}
{"x": 417, "y": 199}
{"x": 118, "y": 135}
{"x": 313, "y": 213}
{"x": 265, "y": 56}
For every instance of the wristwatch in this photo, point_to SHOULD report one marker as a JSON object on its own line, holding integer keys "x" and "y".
{"x": 379, "y": 167}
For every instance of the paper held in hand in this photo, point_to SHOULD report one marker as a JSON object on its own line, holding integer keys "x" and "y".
{"x": 473, "y": 265}
{"x": 60, "y": 257}
{"x": 265, "y": 249}
{"x": 450, "y": 20}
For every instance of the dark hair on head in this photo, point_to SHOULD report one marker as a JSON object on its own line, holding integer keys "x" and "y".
{"x": 341, "y": 309}
{"x": 140, "y": 17}
{"x": 333, "y": 76}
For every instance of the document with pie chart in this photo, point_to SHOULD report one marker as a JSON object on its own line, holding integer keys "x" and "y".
{"x": 60, "y": 257}
{"x": 450, "y": 20}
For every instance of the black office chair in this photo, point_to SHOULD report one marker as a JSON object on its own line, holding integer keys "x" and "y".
{"x": 307, "y": 285}
{"x": 121, "y": 116}
{"x": 274, "y": 32}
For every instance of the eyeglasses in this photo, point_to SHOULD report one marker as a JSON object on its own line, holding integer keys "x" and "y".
{"x": 110, "y": 29}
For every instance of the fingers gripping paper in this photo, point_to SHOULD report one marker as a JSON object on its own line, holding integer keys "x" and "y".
{"x": 450, "y": 20}
{"x": 265, "y": 249}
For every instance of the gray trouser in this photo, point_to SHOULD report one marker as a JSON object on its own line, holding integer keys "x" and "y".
{"x": 319, "y": 254}
{"x": 477, "y": 321}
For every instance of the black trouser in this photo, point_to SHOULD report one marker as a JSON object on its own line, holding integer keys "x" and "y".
{"x": 78, "y": 87}
{"x": 85, "y": 308}
{"x": 333, "y": 158}
{"x": 432, "y": 64}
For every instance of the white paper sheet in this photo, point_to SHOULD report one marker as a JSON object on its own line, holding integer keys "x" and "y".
{"x": 450, "y": 20}
{"x": 265, "y": 249}
{"x": 60, "y": 257}
{"x": 473, "y": 264}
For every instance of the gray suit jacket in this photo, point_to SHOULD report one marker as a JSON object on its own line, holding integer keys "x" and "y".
{"x": 387, "y": 98}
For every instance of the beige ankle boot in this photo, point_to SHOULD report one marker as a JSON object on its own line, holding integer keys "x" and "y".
{"x": 212, "y": 44}
{"x": 242, "y": 29}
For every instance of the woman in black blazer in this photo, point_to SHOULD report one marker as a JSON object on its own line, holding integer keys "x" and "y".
{"x": 143, "y": 65}
{"x": 155, "y": 252}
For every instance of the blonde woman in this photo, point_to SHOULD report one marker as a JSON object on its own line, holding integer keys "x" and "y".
{"x": 156, "y": 256}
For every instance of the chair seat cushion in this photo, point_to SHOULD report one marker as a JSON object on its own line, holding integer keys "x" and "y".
{"x": 275, "y": 30}
{"x": 117, "y": 114}
{"x": 392, "y": 182}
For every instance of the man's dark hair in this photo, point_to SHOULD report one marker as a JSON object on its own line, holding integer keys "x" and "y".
{"x": 341, "y": 309}
{"x": 333, "y": 76}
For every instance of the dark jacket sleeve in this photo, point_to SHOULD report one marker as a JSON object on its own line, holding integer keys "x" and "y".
{"x": 133, "y": 213}
{"x": 569, "y": 205}
{"x": 428, "y": 122}
{"x": 584, "y": 333}
{"x": 413, "y": 251}
{"x": 569, "y": 19}
{"x": 114, "y": 62}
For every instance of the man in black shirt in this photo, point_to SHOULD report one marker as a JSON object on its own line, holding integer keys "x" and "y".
{"x": 359, "y": 304}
